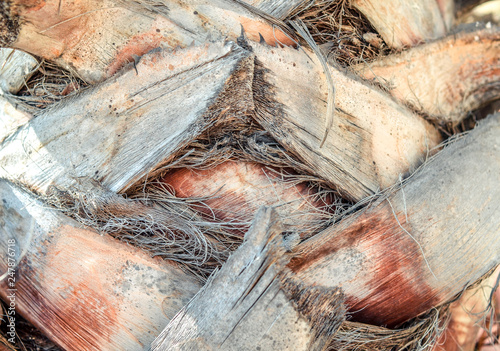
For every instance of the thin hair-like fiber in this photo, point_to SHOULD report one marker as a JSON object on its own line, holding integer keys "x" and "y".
{"x": 338, "y": 29}
{"x": 418, "y": 334}
{"x": 48, "y": 85}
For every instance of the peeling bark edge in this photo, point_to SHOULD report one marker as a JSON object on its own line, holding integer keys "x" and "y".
{"x": 463, "y": 73}
{"x": 323, "y": 308}
{"x": 414, "y": 232}
{"x": 242, "y": 306}
{"x": 70, "y": 279}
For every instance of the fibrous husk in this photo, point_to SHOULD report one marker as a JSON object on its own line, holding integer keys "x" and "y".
{"x": 342, "y": 32}
{"x": 191, "y": 229}
{"x": 417, "y": 335}
{"x": 49, "y": 84}
{"x": 472, "y": 317}
{"x": 233, "y": 191}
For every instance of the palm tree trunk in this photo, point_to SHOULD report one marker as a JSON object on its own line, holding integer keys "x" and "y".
{"x": 221, "y": 137}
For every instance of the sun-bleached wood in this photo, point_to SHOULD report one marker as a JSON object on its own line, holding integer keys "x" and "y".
{"x": 146, "y": 117}
{"x": 84, "y": 290}
{"x": 15, "y": 68}
{"x": 96, "y": 38}
{"x": 420, "y": 245}
{"x": 444, "y": 79}
{"x": 117, "y": 131}
{"x": 11, "y": 118}
{"x": 373, "y": 139}
{"x": 242, "y": 307}
{"x": 276, "y": 8}
{"x": 405, "y": 23}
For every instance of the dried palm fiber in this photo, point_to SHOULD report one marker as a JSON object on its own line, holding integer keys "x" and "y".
{"x": 187, "y": 228}
{"x": 166, "y": 227}
{"x": 156, "y": 227}
{"x": 249, "y": 75}
{"x": 472, "y": 312}
{"x": 49, "y": 84}
{"x": 419, "y": 334}
{"x": 233, "y": 191}
{"x": 180, "y": 229}
{"x": 237, "y": 163}
{"x": 73, "y": 127}
{"x": 364, "y": 151}
{"x": 341, "y": 31}
{"x": 192, "y": 246}
{"x": 440, "y": 104}
{"x": 108, "y": 154}
{"x": 237, "y": 87}
{"x": 92, "y": 190}
{"x": 414, "y": 335}
{"x": 242, "y": 307}
{"x": 44, "y": 84}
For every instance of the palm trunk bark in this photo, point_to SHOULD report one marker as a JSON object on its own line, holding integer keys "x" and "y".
{"x": 133, "y": 136}
{"x": 95, "y": 38}
{"x": 469, "y": 315}
{"x": 423, "y": 20}
{"x": 173, "y": 75}
{"x": 354, "y": 160}
{"x": 243, "y": 308}
{"x": 392, "y": 258}
{"x": 85, "y": 291}
{"x": 386, "y": 260}
{"x": 462, "y": 74}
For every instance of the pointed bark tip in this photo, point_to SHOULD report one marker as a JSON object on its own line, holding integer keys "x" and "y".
{"x": 324, "y": 308}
